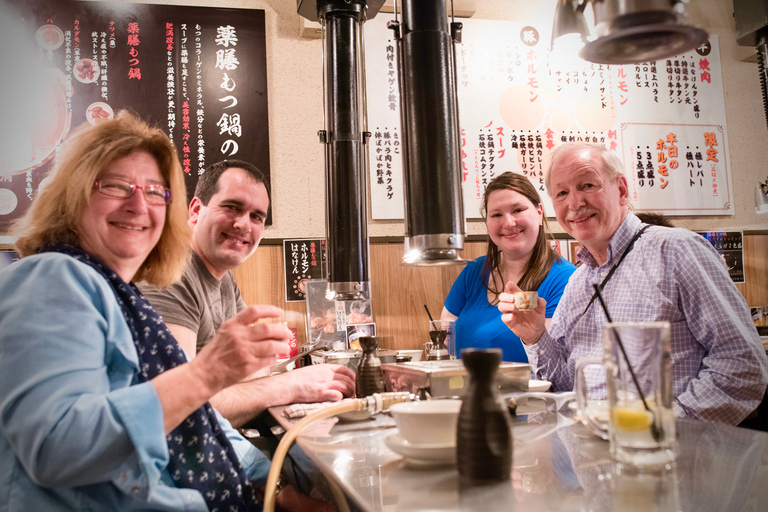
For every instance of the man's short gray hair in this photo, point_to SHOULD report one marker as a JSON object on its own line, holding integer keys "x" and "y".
{"x": 608, "y": 163}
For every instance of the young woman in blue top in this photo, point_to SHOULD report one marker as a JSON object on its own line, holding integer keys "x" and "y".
{"x": 518, "y": 251}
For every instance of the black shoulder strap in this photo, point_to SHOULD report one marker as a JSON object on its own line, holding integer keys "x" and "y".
{"x": 626, "y": 251}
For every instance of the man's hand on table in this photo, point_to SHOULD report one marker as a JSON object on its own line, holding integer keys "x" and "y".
{"x": 318, "y": 383}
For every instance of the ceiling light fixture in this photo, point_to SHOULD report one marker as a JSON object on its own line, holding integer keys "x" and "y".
{"x": 629, "y": 31}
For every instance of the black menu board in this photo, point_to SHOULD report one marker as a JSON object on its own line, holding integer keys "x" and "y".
{"x": 303, "y": 260}
{"x": 199, "y": 73}
{"x": 730, "y": 245}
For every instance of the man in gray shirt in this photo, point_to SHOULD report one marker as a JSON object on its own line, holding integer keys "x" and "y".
{"x": 227, "y": 219}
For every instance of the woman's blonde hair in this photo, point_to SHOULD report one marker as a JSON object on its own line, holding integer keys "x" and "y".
{"x": 542, "y": 256}
{"x": 55, "y": 213}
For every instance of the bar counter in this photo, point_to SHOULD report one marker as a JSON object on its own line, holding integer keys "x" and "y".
{"x": 558, "y": 465}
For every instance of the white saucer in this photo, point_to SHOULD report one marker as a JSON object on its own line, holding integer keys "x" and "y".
{"x": 422, "y": 454}
{"x": 539, "y": 386}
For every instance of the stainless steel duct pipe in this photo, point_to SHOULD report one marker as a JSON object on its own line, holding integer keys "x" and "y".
{"x": 434, "y": 213}
{"x": 344, "y": 137}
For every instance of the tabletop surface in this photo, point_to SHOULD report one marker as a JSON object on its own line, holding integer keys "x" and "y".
{"x": 557, "y": 466}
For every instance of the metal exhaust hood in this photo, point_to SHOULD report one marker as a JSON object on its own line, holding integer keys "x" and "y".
{"x": 632, "y": 31}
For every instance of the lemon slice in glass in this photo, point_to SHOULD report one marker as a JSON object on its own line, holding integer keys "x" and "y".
{"x": 631, "y": 420}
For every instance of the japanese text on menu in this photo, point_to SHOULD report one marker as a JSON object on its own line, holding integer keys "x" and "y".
{"x": 518, "y": 101}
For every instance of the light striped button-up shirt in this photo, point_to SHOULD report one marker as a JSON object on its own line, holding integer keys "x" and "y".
{"x": 720, "y": 370}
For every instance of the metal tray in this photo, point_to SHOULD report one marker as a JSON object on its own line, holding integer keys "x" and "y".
{"x": 448, "y": 378}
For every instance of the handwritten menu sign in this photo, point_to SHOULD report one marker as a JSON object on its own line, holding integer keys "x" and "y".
{"x": 730, "y": 245}
{"x": 198, "y": 73}
{"x": 518, "y": 101}
{"x": 304, "y": 260}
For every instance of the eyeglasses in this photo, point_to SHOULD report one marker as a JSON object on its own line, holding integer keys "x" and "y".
{"x": 114, "y": 187}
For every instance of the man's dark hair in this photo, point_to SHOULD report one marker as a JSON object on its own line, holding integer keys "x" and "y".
{"x": 656, "y": 219}
{"x": 208, "y": 183}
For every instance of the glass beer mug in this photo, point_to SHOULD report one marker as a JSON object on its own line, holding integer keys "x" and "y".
{"x": 637, "y": 417}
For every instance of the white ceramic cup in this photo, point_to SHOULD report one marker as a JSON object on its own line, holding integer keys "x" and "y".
{"x": 427, "y": 422}
{"x": 526, "y": 301}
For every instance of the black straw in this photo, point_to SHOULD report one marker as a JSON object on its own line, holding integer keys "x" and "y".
{"x": 429, "y": 314}
{"x": 654, "y": 429}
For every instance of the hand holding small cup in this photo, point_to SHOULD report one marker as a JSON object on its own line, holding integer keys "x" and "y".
{"x": 526, "y": 301}
{"x": 526, "y": 320}
{"x": 243, "y": 345}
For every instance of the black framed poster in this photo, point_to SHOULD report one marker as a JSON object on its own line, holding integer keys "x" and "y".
{"x": 199, "y": 73}
{"x": 304, "y": 259}
{"x": 730, "y": 245}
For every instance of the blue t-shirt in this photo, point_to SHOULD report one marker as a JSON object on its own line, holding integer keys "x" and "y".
{"x": 479, "y": 323}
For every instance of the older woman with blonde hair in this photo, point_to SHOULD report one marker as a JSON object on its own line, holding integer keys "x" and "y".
{"x": 99, "y": 408}
{"x": 55, "y": 215}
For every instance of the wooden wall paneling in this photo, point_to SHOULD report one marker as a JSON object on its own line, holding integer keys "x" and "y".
{"x": 399, "y": 291}
{"x": 261, "y": 279}
{"x": 755, "y": 289}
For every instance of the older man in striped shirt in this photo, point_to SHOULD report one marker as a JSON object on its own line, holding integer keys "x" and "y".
{"x": 720, "y": 370}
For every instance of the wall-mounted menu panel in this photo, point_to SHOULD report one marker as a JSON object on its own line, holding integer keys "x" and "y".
{"x": 517, "y": 101}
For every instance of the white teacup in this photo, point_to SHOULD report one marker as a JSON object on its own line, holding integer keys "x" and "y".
{"x": 526, "y": 301}
{"x": 427, "y": 422}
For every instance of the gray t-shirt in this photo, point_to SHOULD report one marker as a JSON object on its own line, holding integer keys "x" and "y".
{"x": 199, "y": 301}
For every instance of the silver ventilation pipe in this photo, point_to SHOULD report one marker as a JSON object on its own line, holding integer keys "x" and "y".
{"x": 429, "y": 113}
